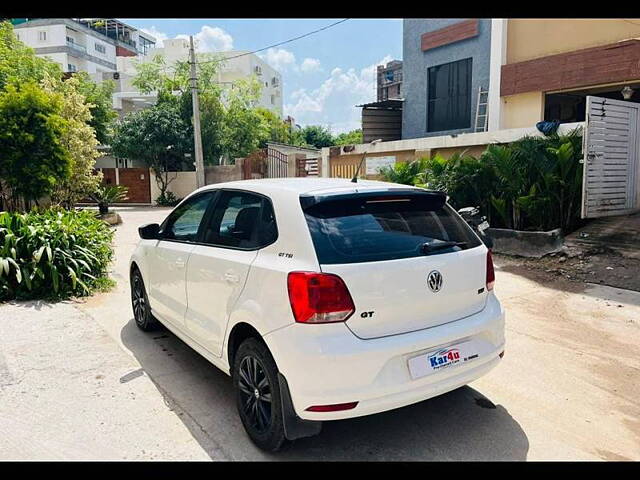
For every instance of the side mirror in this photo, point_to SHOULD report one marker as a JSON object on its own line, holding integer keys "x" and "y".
{"x": 149, "y": 231}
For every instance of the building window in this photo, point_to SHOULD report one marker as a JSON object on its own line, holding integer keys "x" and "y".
{"x": 100, "y": 48}
{"x": 273, "y": 99}
{"x": 71, "y": 67}
{"x": 449, "y": 96}
{"x": 42, "y": 36}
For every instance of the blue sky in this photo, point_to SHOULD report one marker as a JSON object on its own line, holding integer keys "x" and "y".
{"x": 325, "y": 75}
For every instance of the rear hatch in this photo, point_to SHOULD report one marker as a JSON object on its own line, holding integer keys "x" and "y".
{"x": 409, "y": 261}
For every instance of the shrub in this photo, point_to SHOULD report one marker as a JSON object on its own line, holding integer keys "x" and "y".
{"x": 52, "y": 253}
{"x": 406, "y": 173}
{"x": 534, "y": 183}
{"x": 167, "y": 199}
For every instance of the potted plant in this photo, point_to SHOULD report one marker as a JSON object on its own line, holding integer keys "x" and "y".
{"x": 106, "y": 195}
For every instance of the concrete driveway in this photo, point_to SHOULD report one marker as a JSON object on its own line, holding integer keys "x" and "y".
{"x": 78, "y": 380}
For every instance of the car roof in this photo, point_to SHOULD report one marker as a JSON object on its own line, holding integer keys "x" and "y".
{"x": 302, "y": 185}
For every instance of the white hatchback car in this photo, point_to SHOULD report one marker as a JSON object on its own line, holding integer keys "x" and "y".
{"x": 322, "y": 298}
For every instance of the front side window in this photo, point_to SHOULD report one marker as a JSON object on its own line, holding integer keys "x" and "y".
{"x": 184, "y": 221}
{"x": 449, "y": 96}
{"x": 241, "y": 220}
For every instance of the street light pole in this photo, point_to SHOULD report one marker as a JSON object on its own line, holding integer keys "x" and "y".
{"x": 197, "y": 135}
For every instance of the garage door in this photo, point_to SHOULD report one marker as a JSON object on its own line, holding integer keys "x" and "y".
{"x": 611, "y": 151}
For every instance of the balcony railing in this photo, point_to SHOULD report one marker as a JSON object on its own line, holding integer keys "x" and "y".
{"x": 99, "y": 27}
{"x": 76, "y": 46}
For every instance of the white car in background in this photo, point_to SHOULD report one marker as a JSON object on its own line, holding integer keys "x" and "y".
{"x": 323, "y": 299}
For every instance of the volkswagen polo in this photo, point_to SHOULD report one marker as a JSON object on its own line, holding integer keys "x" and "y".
{"x": 323, "y": 299}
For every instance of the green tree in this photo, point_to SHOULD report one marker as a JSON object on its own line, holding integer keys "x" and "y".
{"x": 242, "y": 123}
{"x": 274, "y": 128}
{"x": 33, "y": 155}
{"x": 230, "y": 127}
{"x": 98, "y": 96}
{"x": 353, "y": 137}
{"x": 79, "y": 139}
{"x": 156, "y": 75}
{"x": 315, "y": 136}
{"x": 157, "y": 136}
{"x": 18, "y": 63}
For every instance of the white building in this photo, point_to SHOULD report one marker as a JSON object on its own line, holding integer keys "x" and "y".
{"x": 250, "y": 64}
{"x": 89, "y": 45}
{"x": 232, "y": 70}
{"x": 93, "y": 45}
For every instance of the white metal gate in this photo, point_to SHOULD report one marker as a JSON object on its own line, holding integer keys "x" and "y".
{"x": 611, "y": 162}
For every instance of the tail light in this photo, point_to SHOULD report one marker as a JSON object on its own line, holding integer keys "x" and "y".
{"x": 319, "y": 297}
{"x": 491, "y": 274}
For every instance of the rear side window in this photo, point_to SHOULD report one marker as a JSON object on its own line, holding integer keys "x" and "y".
{"x": 356, "y": 229}
{"x": 241, "y": 220}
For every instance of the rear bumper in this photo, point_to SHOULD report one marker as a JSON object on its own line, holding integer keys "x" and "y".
{"x": 327, "y": 364}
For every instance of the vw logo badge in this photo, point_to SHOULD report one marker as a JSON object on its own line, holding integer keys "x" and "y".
{"x": 434, "y": 280}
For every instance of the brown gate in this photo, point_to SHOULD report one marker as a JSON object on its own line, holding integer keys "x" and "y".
{"x": 306, "y": 167}
{"x": 135, "y": 179}
{"x": 255, "y": 165}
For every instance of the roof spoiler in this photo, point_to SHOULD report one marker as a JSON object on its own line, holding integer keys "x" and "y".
{"x": 435, "y": 198}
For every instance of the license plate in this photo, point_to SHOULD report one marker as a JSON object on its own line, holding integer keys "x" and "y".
{"x": 443, "y": 358}
{"x": 483, "y": 226}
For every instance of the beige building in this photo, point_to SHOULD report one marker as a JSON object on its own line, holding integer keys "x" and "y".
{"x": 549, "y": 66}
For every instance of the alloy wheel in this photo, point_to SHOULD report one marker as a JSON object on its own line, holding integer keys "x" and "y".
{"x": 255, "y": 393}
{"x": 139, "y": 302}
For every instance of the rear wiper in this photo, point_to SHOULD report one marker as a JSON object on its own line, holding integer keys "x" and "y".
{"x": 432, "y": 246}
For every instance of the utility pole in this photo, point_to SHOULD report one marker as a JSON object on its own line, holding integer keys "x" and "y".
{"x": 197, "y": 135}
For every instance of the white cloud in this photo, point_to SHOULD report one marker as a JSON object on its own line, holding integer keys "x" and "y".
{"x": 157, "y": 34}
{"x": 208, "y": 39}
{"x": 280, "y": 59}
{"x": 334, "y": 102}
{"x": 310, "y": 65}
{"x": 211, "y": 39}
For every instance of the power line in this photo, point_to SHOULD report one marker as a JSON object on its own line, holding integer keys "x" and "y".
{"x": 277, "y": 44}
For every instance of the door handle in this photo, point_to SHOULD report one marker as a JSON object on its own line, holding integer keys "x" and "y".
{"x": 231, "y": 277}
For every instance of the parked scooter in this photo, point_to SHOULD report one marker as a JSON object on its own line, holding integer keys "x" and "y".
{"x": 471, "y": 215}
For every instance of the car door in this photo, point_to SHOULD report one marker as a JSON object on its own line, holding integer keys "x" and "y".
{"x": 240, "y": 224}
{"x": 168, "y": 260}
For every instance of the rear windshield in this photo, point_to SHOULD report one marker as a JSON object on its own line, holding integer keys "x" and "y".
{"x": 356, "y": 229}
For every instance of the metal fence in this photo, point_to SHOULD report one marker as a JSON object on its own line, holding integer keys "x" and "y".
{"x": 277, "y": 164}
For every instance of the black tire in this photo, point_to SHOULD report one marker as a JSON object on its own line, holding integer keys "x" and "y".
{"x": 261, "y": 412}
{"x": 140, "y": 303}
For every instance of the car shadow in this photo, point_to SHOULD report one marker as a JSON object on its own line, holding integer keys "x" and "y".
{"x": 460, "y": 425}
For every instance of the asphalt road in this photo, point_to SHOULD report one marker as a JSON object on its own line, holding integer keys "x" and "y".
{"x": 79, "y": 381}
